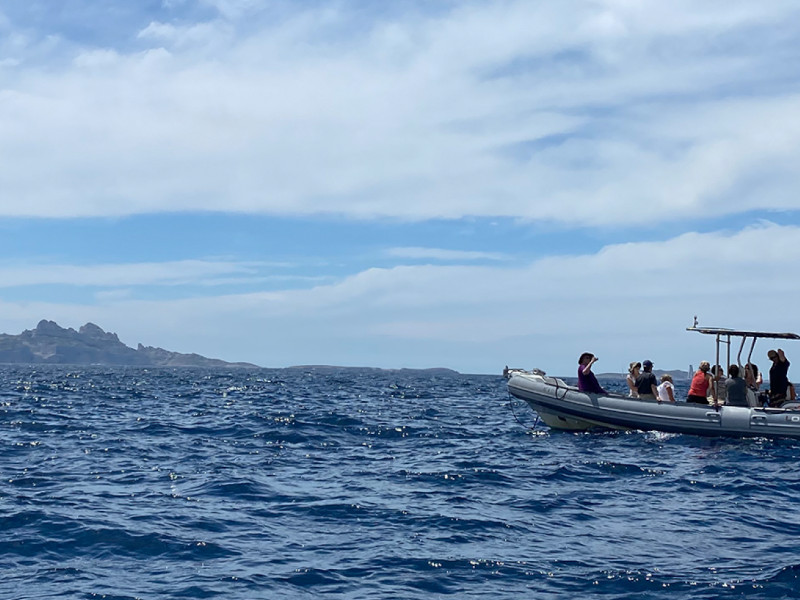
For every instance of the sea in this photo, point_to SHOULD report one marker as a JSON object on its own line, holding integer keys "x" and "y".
{"x": 131, "y": 483}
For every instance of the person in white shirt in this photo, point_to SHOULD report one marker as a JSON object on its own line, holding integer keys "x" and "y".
{"x": 666, "y": 391}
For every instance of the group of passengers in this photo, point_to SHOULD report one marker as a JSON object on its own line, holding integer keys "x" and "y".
{"x": 709, "y": 384}
{"x": 641, "y": 380}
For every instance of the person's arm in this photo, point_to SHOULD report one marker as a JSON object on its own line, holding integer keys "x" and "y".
{"x": 631, "y": 384}
{"x": 588, "y": 367}
{"x": 781, "y": 355}
{"x": 654, "y": 389}
{"x": 712, "y": 386}
{"x": 670, "y": 394}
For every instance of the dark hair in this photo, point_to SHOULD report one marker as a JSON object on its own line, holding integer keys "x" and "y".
{"x": 753, "y": 368}
{"x": 733, "y": 370}
{"x": 585, "y": 355}
{"x": 714, "y": 369}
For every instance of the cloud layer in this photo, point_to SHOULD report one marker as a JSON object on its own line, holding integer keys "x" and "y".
{"x": 580, "y": 112}
{"x": 628, "y": 301}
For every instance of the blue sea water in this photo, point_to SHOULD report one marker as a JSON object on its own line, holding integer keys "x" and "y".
{"x": 158, "y": 483}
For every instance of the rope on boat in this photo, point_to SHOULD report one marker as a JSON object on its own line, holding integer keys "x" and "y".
{"x": 511, "y": 405}
{"x": 554, "y": 382}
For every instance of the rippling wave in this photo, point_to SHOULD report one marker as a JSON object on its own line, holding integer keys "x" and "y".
{"x": 136, "y": 483}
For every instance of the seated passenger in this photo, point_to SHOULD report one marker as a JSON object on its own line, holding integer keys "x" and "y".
{"x": 718, "y": 374}
{"x": 646, "y": 382}
{"x": 587, "y": 382}
{"x": 736, "y": 388}
{"x": 701, "y": 383}
{"x": 666, "y": 389}
{"x": 752, "y": 377}
{"x": 633, "y": 373}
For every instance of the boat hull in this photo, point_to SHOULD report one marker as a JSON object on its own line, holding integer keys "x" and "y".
{"x": 561, "y": 406}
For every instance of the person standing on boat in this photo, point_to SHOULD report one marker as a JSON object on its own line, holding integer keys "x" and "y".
{"x": 778, "y": 377}
{"x": 701, "y": 383}
{"x": 646, "y": 384}
{"x": 736, "y": 388}
{"x": 587, "y": 382}
{"x": 633, "y": 373}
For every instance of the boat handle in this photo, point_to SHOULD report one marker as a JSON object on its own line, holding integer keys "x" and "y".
{"x": 713, "y": 416}
{"x": 758, "y": 420}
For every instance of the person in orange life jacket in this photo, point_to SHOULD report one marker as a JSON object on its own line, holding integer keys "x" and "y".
{"x": 646, "y": 384}
{"x": 701, "y": 383}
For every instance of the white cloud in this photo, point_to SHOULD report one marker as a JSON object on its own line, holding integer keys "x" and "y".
{"x": 579, "y": 112}
{"x": 416, "y": 252}
{"x": 201, "y": 34}
{"x": 234, "y": 9}
{"x": 132, "y": 274}
{"x": 627, "y": 301}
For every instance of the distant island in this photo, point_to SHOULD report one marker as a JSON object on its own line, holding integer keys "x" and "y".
{"x": 51, "y": 344}
{"x": 677, "y": 374}
{"x": 54, "y": 345}
{"x": 327, "y": 369}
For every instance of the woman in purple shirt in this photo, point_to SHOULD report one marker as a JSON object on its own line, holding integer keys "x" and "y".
{"x": 587, "y": 382}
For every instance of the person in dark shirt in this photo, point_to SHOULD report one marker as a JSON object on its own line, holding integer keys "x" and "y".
{"x": 736, "y": 388}
{"x": 778, "y": 377}
{"x": 646, "y": 383}
{"x": 587, "y": 382}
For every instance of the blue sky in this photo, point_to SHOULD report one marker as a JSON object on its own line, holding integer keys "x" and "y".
{"x": 407, "y": 184}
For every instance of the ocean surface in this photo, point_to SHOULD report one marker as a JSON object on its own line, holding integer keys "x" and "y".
{"x": 188, "y": 483}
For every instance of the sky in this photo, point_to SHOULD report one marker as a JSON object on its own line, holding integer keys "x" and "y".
{"x": 404, "y": 184}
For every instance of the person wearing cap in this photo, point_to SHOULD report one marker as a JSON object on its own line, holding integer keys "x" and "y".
{"x": 702, "y": 382}
{"x": 587, "y": 382}
{"x": 778, "y": 377}
{"x": 646, "y": 384}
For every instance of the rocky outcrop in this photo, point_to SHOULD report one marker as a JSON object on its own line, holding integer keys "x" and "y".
{"x": 52, "y": 344}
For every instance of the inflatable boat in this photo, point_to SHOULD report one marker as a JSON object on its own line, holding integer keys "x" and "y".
{"x": 563, "y": 406}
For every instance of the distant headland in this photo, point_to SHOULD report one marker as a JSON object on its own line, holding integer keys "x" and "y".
{"x": 330, "y": 369}
{"x": 52, "y": 344}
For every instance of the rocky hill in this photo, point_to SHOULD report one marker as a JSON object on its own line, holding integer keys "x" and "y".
{"x": 90, "y": 345}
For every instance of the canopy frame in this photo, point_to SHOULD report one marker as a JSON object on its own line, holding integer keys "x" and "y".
{"x": 724, "y": 335}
